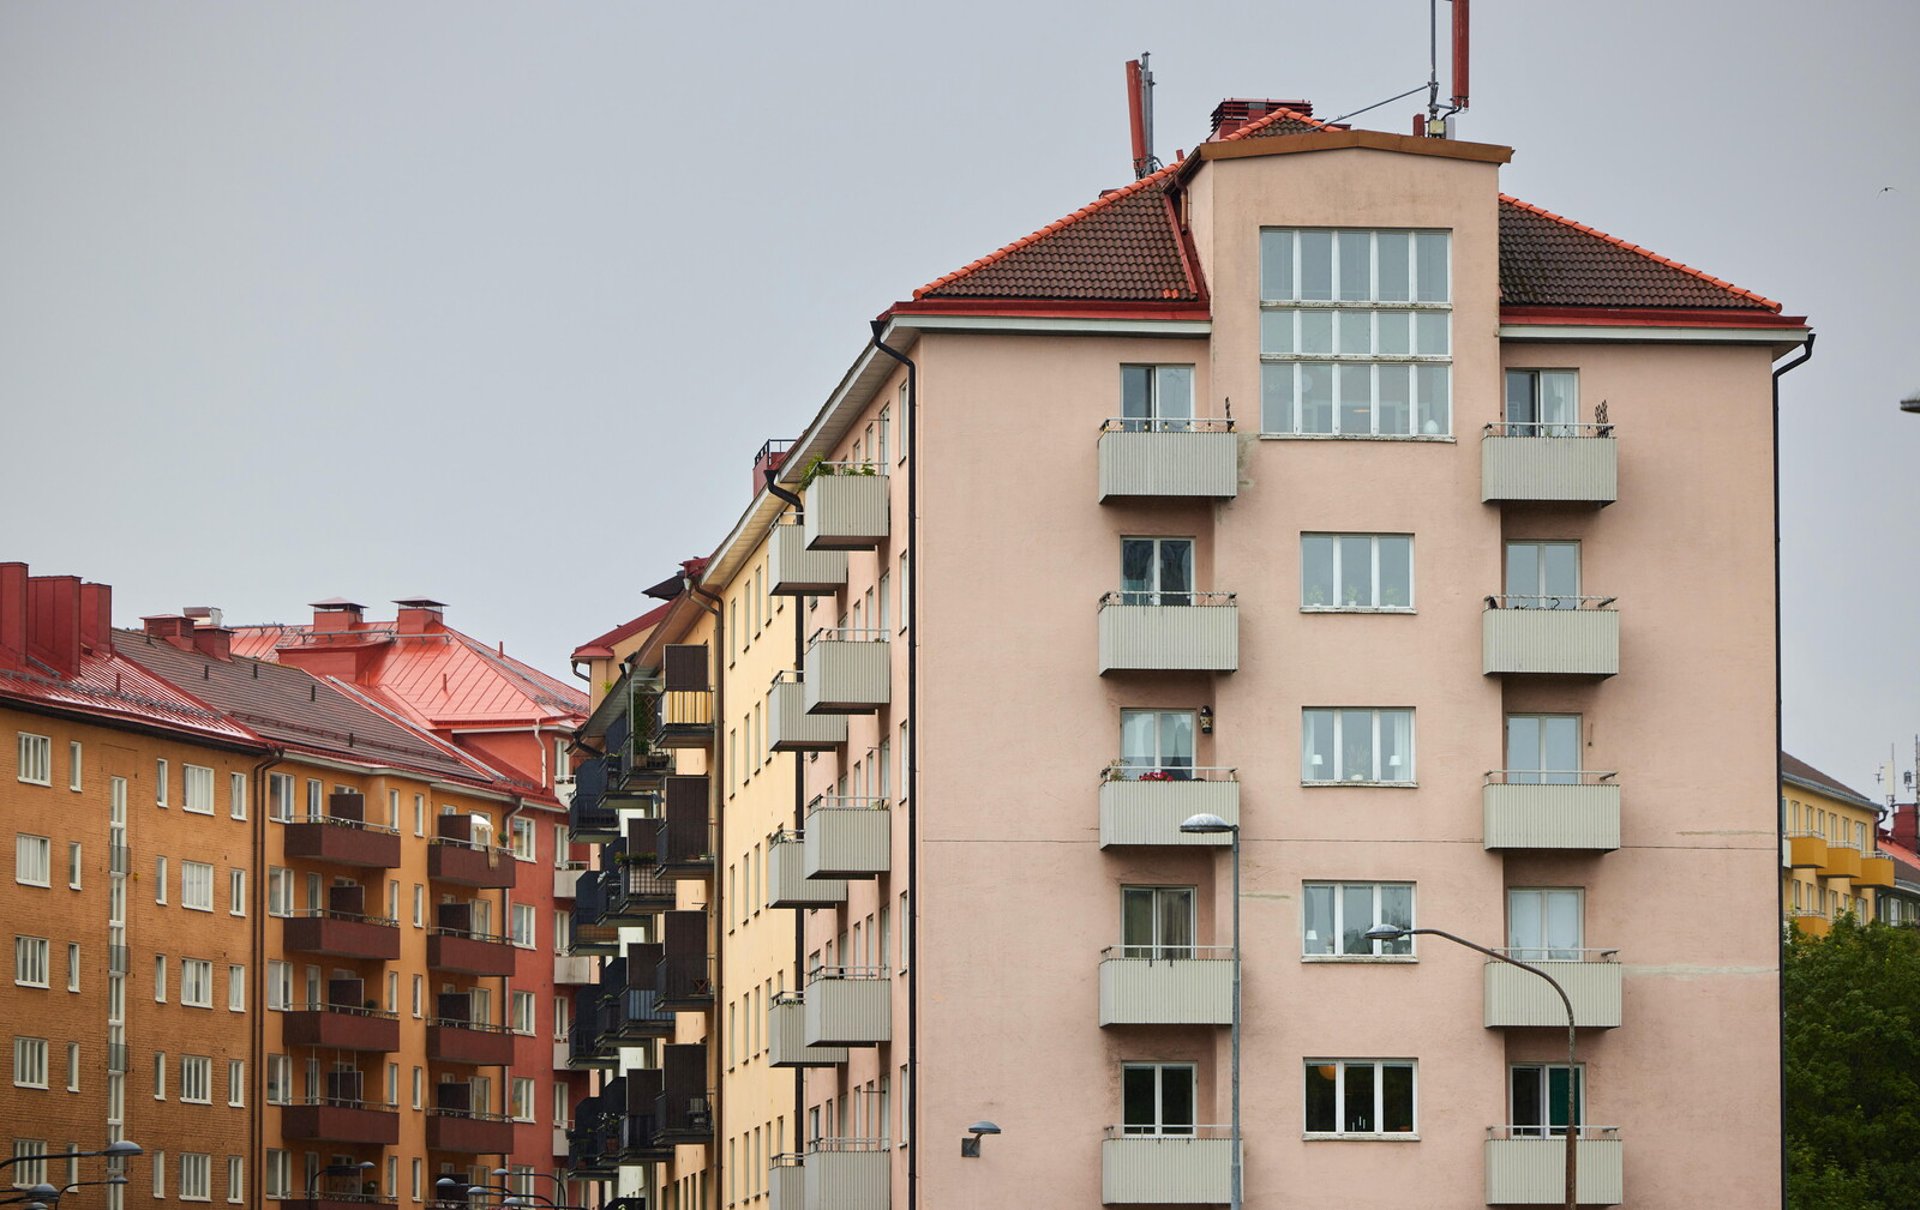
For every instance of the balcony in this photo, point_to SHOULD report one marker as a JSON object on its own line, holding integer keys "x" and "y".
{"x": 342, "y": 1024}
{"x": 683, "y": 838}
{"x": 787, "y": 883}
{"x": 847, "y": 1174}
{"x": 469, "y": 863}
{"x": 632, "y": 888}
{"x": 341, "y": 1119}
{"x": 787, "y": 1036}
{"x": 1875, "y": 871}
{"x": 453, "y": 1037}
{"x": 569, "y": 970}
{"x": 1518, "y": 998}
{"x": 590, "y": 818}
{"x": 590, "y": 1041}
{"x": 593, "y": 1142}
{"x": 1187, "y": 985}
{"x": 795, "y": 571}
{"x": 1146, "y": 806}
{"x": 566, "y": 877}
{"x": 343, "y": 935}
{"x": 846, "y": 506}
{"x": 1166, "y": 1169}
{"x": 589, "y": 935}
{"x": 1806, "y": 850}
{"x": 1566, "y": 811}
{"x": 790, "y": 728}
{"x": 1525, "y": 1169}
{"x": 684, "y": 983}
{"x": 1811, "y": 922}
{"x": 787, "y": 1182}
{"x": 847, "y": 837}
{"x": 1169, "y": 632}
{"x": 848, "y": 1006}
{"x": 454, "y": 944}
{"x": 560, "y": 1136}
{"x": 344, "y": 837}
{"x": 1553, "y": 636}
{"x": 1843, "y": 860}
{"x": 1194, "y": 458}
{"x": 847, "y": 671}
{"x": 1549, "y": 464}
{"x": 469, "y": 1132}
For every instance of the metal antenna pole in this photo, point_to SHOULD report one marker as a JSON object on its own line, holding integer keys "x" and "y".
{"x": 1433, "y": 62}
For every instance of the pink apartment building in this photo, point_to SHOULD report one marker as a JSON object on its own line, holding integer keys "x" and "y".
{"x": 1312, "y": 483}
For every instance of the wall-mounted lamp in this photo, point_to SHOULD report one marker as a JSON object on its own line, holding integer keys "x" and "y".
{"x": 1206, "y": 720}
{"x": 970, "y": 1147}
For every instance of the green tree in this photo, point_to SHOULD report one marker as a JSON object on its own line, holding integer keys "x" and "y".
{"x": 1853, "y": 1068}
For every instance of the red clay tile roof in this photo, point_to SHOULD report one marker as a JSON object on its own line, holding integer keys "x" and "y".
{"x": 1279, "y": 121}
{"x": 1799, "y": 770}
{"x": 1550, "y": 261}
{"x": 1124, "y": 246}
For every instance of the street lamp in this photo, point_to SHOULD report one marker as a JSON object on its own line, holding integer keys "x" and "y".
{"x": 1911, "y": 403}
{"x": 970, "y": 1147}
{"x": 34, "y": 1193}
{"x": 1389, "y": 932}
{"x": 1209, "y": 824}
{"x": 112, "y": 1180}
{"x": 118, "y": 1149}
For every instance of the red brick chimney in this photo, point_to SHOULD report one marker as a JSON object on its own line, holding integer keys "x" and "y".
{"x": 171, "y": 627}
{"x": 1235, "y": 112}
{"x": 215, "y": 642}
{"x": 13, "y": 614}
{"x": 53, "y": 622}
{"x": 1905, "y": 829}
{"x": 337, "y": 615}
{"x": 419, "y": 615}
{"x": 96, "y": 618}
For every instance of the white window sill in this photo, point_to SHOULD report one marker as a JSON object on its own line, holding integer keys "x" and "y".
{"x": 1312, "y": 1136}
{"x": 1377, "y": 785}
{"x": 1357, "y": 609}
{"x": 1363, "y": 959}
{"x": 1430, "y": 438}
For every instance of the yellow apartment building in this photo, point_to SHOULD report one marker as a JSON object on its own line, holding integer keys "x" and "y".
{"x": 1831, "y": 864}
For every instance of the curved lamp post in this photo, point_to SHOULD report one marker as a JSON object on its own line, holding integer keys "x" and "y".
{"x": 1388, "y": 932}
{"x": 118, "y": 1149}
{"x": 1209, "y": 824}
{"x": 1911, "y": 403}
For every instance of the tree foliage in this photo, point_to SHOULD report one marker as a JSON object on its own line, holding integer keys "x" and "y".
{"x": 1853, "y": 1068}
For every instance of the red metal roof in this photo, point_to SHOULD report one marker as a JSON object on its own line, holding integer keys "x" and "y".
{"x": 114, "y": 688}
{"x": 602, "y": 646}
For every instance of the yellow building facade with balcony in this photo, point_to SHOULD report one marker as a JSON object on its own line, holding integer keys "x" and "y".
{"x": 1830, "y": 861}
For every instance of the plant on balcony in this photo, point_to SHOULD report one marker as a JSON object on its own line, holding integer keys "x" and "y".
{"x": 1156, "y": 775}
{"x": 648, "y": 858}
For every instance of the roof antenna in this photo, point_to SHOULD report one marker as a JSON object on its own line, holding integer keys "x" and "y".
{"x": 1437, "y": 125}
{"x": 1140, "y": 115}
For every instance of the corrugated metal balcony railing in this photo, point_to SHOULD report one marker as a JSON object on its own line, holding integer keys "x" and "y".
{"x": 1552, "y": 636}
{"x": 787, "y": 1182}
{"x": 846, "y": 506}
{"x": 1520, "y": 998}
{"x": 1142, "y": 805}
{"x": 787, "y": 1036}
{"x": 1192, "y": 457}
{"x": 849, "y": 1006}
{"x": 1528, "y": 1167}
{"x": 1576, "y": 811}
{"x": 1169, "y": 632}
{"x": 790, "y": 728}
{"x": 1166, "y": 985}
{"x": 1549, "y": 463}
{"x": 795, "y": 571}
{"x": 847, "y": 671}
{"x": 787, "y": 883}
{"x": 848, "y": 836}
{"x": 1188, "y": 1169}
{"x": 848, "y": 1174}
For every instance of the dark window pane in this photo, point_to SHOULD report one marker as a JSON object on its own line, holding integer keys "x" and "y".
{"x": 1320, "y": 1098}
{"x": 1136, "y": 393}
{"x": 1136, "y": 921}
{"x": 1520, "y": 404}
{"x": 1176, "y": 570}
{"x": 1136, "y": 569}
{"x": 1526, "y": 1098}
{"x": 1137, "y": 1098}
{"x": 1176, "y": 1100}
{"x": 1396, "y": 1099}
{"x": 1358, "y": 1085}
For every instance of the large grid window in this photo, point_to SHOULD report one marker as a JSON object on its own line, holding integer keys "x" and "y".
{"x": 1361, "y": 1097}
{"x": 196, "y": 1177}
{"x": 1355, "y": 333}
{"x": 196, "y": 1079}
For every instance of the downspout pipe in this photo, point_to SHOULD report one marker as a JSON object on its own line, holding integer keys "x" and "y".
{"x": 715, "y": 772}
{"x": 911, "y": 420}
{"x": 799, "y": 821}
{"x": 1779, "y": 734}
{"x": 257, "y": 976}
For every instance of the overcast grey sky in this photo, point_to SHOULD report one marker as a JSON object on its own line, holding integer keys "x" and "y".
{"x": 494, "y": 302}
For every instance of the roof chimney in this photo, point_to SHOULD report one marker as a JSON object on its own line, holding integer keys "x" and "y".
{"x": 214, "y": 642}
{"x": 1235, "y": 112}
{"x": 171, "y": 627}
{"x": 1906, "y": 827}
{"x": 53, "y": 622}
{"x": 418, "y": 615}
{"x": 96, "y": 618}
{"x": 337, "y": 615}
{"x": 13, "y": 613}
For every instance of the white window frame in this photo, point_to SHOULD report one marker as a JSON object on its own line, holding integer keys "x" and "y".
{"x": 196, "y": 789}
{"x": 196, "y": 982}
{"x": 1539, "y": 426}
{"x": 279, "y": 1175}
{"x": 196, "y": 886}
{"x": 36, "y": 759}
{"x": 32, "y": 859}
{"x": 1157, "y": 377}
{"x": 196, "y": 1079}
{"x": 237, "y": 891}
{"x": 280, "y": 797}
{"x": 1159, "y": 1128}
{"x": 236, "y": 1179}
{"x": 520, "y": 1099}
{"x": 520, "y": 836}
{"x": 1401, "y": 950}
{"x": 31, "y": 961}
{"x": 525, "y": 924}
{"x": 1548, "y": 950}
{"x": 279, "y": 891}
{"x": 236, "y": 796}
{"x": 160, "y": 779}
{"x": 236, "y": 988}
{"x": 1379, "y": 1093}
{"x": 196, "y": 1177}
{"x": 279, "y": 985}
{"x": 29, "y": 1062}
{"x": 160, "y": 880}
{"x": 1543, "y": 1072}
{"x": 75, "y": 752}
{"x": 76, "y": 864}
{"x": 1373, "y": 604}
{"x": 1370, "y": 777}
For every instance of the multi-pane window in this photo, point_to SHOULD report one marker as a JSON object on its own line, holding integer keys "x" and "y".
{"x": 1543, "y": 403}
{"x": 197, "y": 785}
{"x": 279, "y": 1178}
{"x": 522, "y": 1009}
{"x": 1157, "y": 743}
{"x": 1359, "y": 1096}
{"x": 1538, "y": 1098}
{"x": 196, "y": 1176}
{"x": 196, "y": 1079}
{"x": 279, "y": 891}
{"x": 196, "y": 982}
{"x": 525, "y": 922}
{"x": 1356, "y": 571}
{"x": 280, "y": 796}
{"x": 196, "y": 886}
{"x": 26, "y": 1169}
{"x": 1354, "y": 745}
{"x": 521, "y": 836}
{"x": 520, "y": 1107}
{"x": 30, "y": 1062}
{"x": 30, "y": 961}
{"x": 1355, "y": 333}
{"x": 279, "y": 1079}
{"x": 32, "y": 859}
{"x": 237, "y": 892}
{"x": 1156, "y": 571}
{"x": 1157, "y": 1098}
{"x": 36, "y": 759}
{"x": 1545, "y": 924}
{"x": 236, "y": 1179}
{"x": 1543, "y": 749}
{"x": 1542, "y": 575}
{"x": 1335, "y": 917}
{"x": 1156, "y": 922}
{"x": 279, "y": 984}
{"x": 1156, "y": 398}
